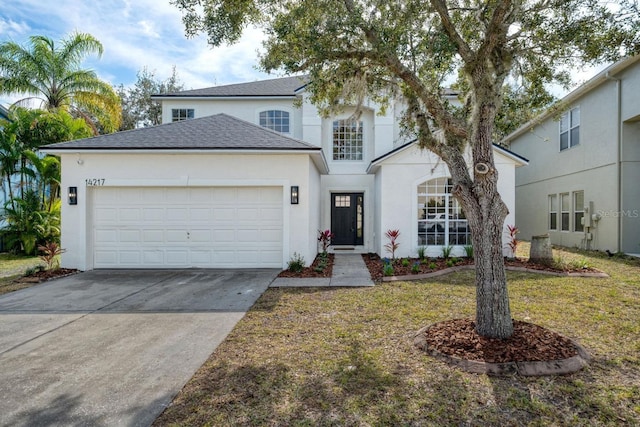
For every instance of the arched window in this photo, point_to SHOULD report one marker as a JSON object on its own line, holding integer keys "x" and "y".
{"x": 276, "y": 120}
{"x": 441, "y": 220}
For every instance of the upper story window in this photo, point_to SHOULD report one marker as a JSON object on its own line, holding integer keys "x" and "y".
{"x": 276, "y": 120}
{"x": 570, "y": 129}
{"x": 179, "y": 114}
{"x": 347, "y": 140}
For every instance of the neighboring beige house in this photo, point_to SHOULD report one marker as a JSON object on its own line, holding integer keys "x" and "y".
{"x": 582, "y": 185}
{"x": 245, "y": 175}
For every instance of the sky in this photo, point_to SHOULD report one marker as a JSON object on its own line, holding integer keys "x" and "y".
{"x": 134, "y": 34}
{"x": 142, "y": 33}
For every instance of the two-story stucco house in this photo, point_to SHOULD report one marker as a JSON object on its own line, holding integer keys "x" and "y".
{"x": 583, "y": 184}
{"x": 245, "y": 175}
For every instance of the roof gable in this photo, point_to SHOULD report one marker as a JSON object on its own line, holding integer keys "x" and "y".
{"x": 398, "y": 151}
{"x": 285, "y": 86}
{"x": 600, "y": 78}
{"x": 217, "y": 132}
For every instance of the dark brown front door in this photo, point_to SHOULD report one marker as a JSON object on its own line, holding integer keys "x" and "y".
{"x": 347, "y": 218}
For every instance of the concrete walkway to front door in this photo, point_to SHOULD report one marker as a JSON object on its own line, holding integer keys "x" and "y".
{"x": 348, "y": 270}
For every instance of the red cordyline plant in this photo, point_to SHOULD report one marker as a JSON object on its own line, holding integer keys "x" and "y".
{"x": 392, "y": 246}
{"x": 512, "y": 230}
{"x": 49, "y": 252}
{"x": 324, "y": 237}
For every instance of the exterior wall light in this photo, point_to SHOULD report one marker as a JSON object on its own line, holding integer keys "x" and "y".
{"x": 73, "y": 195}
{"x": 294, "y": 194}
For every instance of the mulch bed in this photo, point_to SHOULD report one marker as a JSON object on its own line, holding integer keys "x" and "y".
{"x": 310, "y": 272}
{"x": 529, "y": 342}
{"x": 375, "y": 265}
{"x": 41, "y": 276}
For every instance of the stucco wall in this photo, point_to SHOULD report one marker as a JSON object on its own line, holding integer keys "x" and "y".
{"x": 591, "y": 167}
{"x": 245, "y": 109}
{"x": 399, "y": 177}
{"x": 184, "y": 170}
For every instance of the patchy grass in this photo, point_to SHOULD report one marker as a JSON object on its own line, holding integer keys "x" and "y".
{"x": 13, "y": 267}
{"x": 322, "y": 356}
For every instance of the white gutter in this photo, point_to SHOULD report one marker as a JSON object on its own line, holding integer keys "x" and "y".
{"x": 316, "y": 154}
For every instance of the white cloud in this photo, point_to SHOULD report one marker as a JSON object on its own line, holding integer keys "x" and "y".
{"x": 140, "y": 33}
{"x": 12, "y": 29}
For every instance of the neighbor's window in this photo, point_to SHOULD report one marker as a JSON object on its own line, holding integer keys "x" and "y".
{"x": 578, "y": 210}
{"x": 441, "y": 220}
{"x": 179, "y": 114}
{"x": 347, "y": 140}
{"x": 553, "y": 212}
{"x": 276, "y": 120}
{"x": 565, "y": 212}
{"x": 570, "y": 129}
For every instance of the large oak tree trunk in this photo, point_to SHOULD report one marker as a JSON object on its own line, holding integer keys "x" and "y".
{"x": 493, "y": 316}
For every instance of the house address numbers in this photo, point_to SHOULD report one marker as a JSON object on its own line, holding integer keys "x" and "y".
{"x": 94, "y": 182}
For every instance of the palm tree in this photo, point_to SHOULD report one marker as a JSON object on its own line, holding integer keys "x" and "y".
{"x": 46, "y": 172}
{"x": 10, "y": 156}
{"x": 53, "y": 75}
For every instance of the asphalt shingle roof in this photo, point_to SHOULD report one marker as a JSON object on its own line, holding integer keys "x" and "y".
{"x": 217, "y": 132}
{"x": 286, "y": 86}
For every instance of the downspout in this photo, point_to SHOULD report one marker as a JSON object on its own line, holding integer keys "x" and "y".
{"x": 618, "y": 153}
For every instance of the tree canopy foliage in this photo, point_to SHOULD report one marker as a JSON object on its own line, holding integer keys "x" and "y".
{"x": 52, "y": 74}
{"x": 138, "y": 109}
{"x": 414, "y": 49}
{"x": 31, "y": 182}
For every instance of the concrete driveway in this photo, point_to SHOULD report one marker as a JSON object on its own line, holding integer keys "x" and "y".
{"x": 112, "y": 348}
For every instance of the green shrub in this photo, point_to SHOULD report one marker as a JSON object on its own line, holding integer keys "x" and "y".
{"x": 446, "y": 251}
{"x": 422, "y": 250}
{"x": 468, "y": 250}
{"x": 388, "y": 270}
{"x": 296, "y": 263}
{"x": 581, "y": 264}
{"x": 432, "y": 266}
{"x": 416, "y": 268}
{"x": 450, "y": 263}
{"x": 405, "y": 262}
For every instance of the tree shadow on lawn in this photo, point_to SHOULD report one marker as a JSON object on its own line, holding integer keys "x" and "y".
{"x": 589, "y": 396}
{"x": 356, "y": 390}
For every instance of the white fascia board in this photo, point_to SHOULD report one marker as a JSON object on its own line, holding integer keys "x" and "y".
{"x": 221, "y": 98}
{"x": 591, "y": 84}
{"x": 172, "y": 151}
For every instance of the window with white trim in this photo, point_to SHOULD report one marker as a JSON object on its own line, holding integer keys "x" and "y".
{"x": 441, "y": 220}
{"x": 180, "y": 114}
{"x": 347, "y": 140}
{"x": 565, "y": 211}
{"x": 570, "y": 129}
{"x": 553, "y": 212}
{"x": 276, "y": 120}
{"x": 578, "y": 210}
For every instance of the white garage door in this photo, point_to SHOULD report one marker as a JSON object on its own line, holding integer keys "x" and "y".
{"x": 208, "y": 227}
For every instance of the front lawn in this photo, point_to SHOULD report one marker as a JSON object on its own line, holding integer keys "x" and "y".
{"x": 321, "y": 356}
{"x": 13, "y": 267}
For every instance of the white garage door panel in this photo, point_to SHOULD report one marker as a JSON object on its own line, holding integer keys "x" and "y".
{"x": 187, "y": 227}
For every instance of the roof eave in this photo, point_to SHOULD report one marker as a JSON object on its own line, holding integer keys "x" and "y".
{"x": 138, "y": 150}
{"x": 589, "y": 85}
{"x": 375, "y": 163}
{"x": 221, "y": 97}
